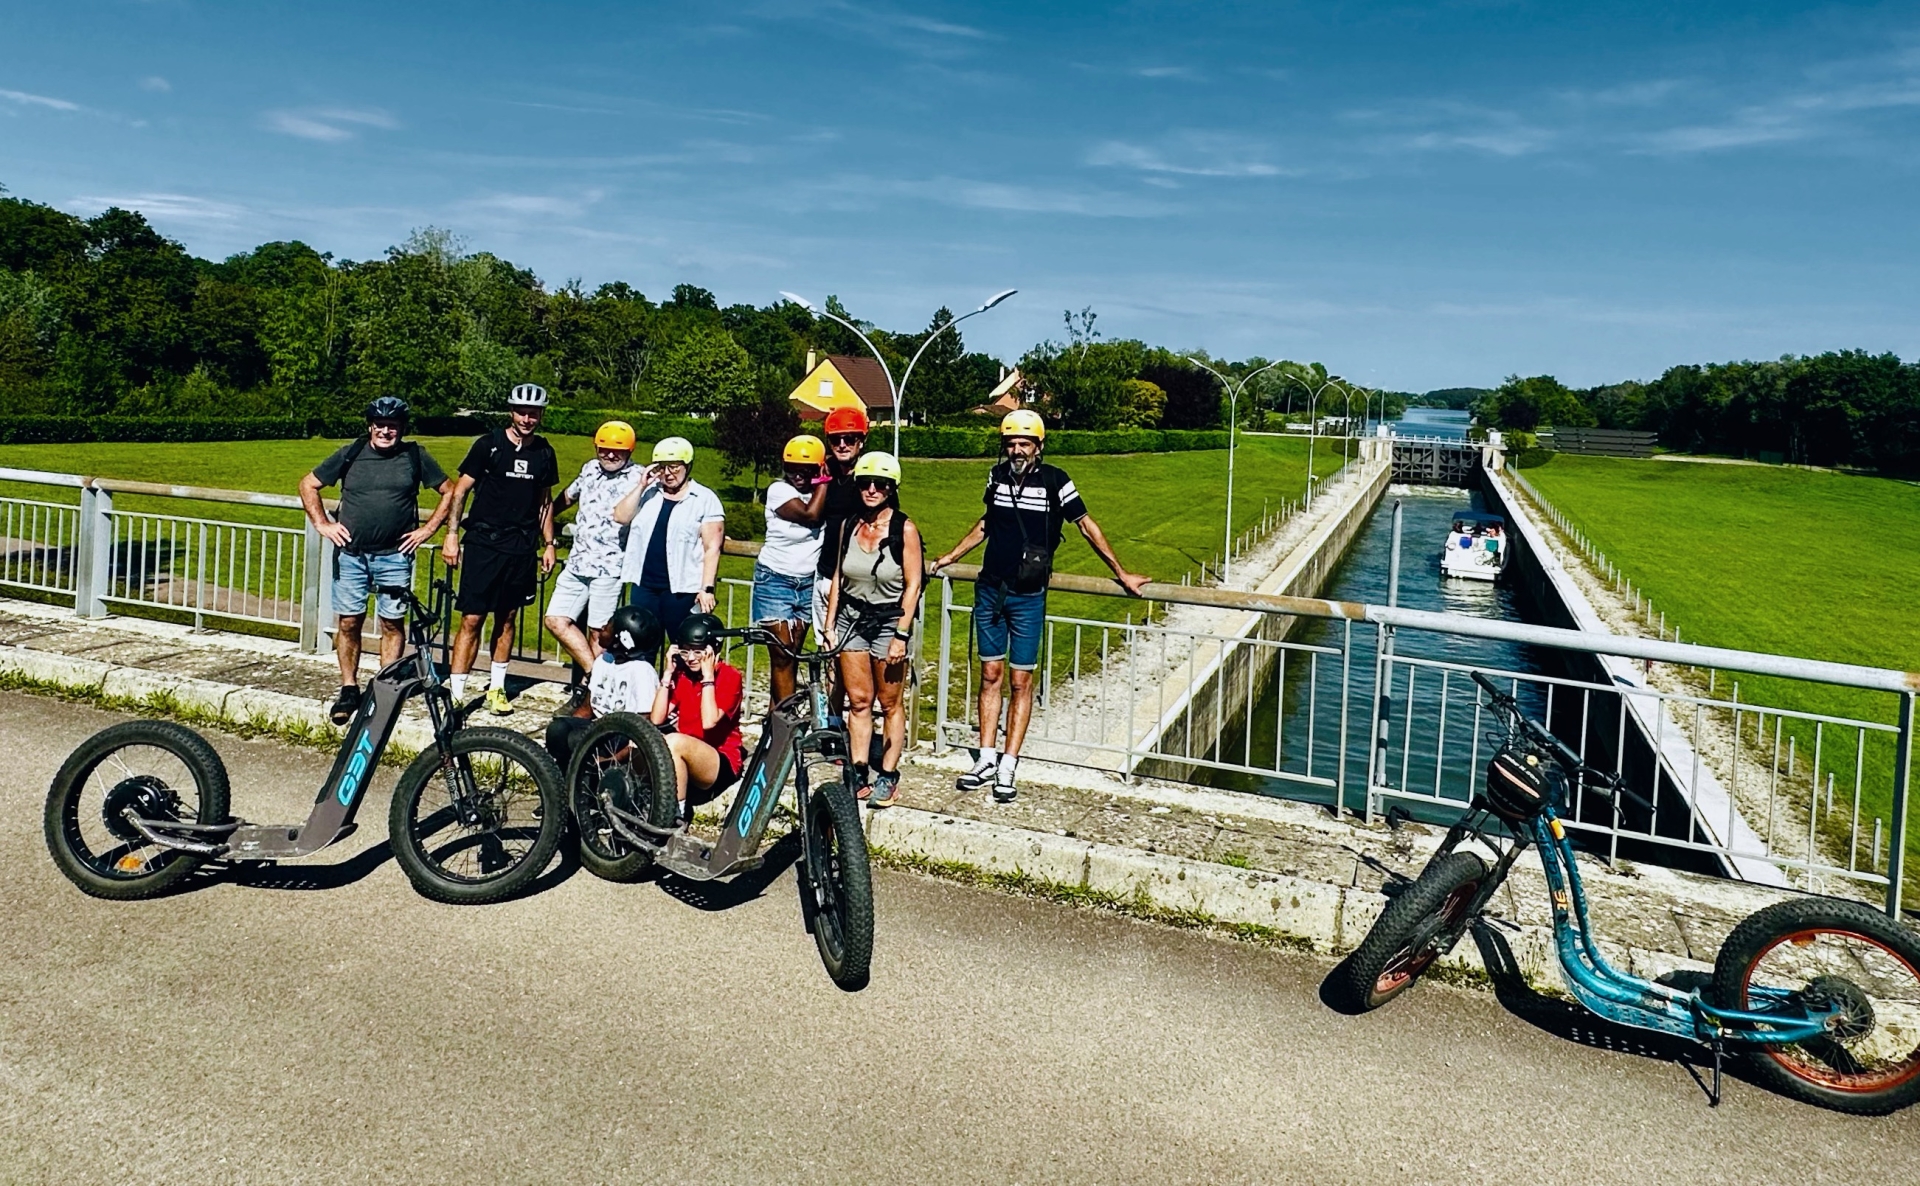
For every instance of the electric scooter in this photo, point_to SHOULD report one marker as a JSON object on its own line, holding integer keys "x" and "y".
{"x": 621, "y": 783}
{"x": 140, "y": 805}
{"x": 1821, "y": 996}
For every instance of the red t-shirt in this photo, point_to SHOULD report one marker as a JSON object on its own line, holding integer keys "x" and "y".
{"x": 683, "y": 696}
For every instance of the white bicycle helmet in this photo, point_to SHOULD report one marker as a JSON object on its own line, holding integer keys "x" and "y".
{"x": 527, "y": 395}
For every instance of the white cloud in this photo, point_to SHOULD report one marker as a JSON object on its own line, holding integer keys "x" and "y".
{"x": 31, "y": 100}
{"x": 153, "y": 82}
{"x": 1193, "y": 154}
{"x": 327, "y": 124}
{"x": 1186, "y": 73}
{"x": 179, "y": 207}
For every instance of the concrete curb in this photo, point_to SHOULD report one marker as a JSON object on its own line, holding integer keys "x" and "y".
{"x": 1329, "y": 919}
{"x": 1321, "y": 916}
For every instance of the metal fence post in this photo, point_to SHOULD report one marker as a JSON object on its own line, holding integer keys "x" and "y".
{"x": 95, "y": 547}
{"x": 1902, "y": 758}
{"x": 311, "y": 566}
{"x": 942, "y": 667}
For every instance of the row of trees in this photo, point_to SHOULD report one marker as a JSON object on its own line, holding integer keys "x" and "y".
{"x": 105, "y": 315}
{"x": 1843, "y": 408}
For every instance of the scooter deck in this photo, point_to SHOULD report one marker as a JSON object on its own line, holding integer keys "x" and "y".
{"x": 686, "y": 855}
{"x": 275, "y": 842}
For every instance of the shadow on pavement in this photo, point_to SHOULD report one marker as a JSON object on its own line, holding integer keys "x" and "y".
{"x": 306, "y": 875}
{"x": 1572, "y": 1022}
{"x": 734, "y": 891}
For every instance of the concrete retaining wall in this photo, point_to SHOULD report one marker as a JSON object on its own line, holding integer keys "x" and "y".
{"x": 1207, "y": 695}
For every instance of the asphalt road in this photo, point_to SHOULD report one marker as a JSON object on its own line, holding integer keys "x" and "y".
{"x": 322, "y": 1023}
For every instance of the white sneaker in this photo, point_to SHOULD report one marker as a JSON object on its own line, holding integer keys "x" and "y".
{"x": 981, "y": 774}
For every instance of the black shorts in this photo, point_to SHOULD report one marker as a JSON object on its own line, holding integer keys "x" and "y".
{"x": 721, "y": 781}
{"x": 494, "y": 580}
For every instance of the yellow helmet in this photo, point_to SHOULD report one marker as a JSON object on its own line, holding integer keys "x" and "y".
{"x": 878, "y": 465}
{"x": 673, "y": 449}
{"x": 614, "y": 434}
{"x": 1023, "y": 423}
{"x": 804, "y": 450}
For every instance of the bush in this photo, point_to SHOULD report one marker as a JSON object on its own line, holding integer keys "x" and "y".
{"x": 919, "y": 441}
{"x": 745, "y": 521}
{"x": 1532, "y": 458}
{"x": 61, "y": 430}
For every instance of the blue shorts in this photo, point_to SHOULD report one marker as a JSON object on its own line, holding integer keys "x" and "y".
{"x": 1008, "y": 625}
{"x": 780, "y": 598}
{"x": 355, "y": 577}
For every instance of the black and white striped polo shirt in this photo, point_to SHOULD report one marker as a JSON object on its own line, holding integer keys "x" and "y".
{"x": 1020, "y": 511}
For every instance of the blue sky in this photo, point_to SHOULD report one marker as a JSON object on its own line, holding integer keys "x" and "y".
{"x": 1419, "y": 196}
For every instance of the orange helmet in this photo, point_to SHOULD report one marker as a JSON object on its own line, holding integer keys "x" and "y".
{"x": 844, "y": 419}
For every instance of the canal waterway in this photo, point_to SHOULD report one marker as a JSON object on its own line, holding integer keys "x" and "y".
{"x": 1309, "y": 714}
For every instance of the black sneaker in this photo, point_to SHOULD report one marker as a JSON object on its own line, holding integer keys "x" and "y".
{"x": 1004, "y": 792}
{"x": 345, "y": 704}
{"x": 979, "y": 776}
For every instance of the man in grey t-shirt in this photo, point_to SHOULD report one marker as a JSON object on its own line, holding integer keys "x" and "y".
{"x": 374, "y": 534}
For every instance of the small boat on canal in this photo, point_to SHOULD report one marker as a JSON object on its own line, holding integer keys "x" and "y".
{"x": 1476, "y": 547}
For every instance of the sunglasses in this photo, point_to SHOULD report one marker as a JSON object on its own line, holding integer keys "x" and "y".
{"x": 846, "y": 438}
{"x": 873, "y": 483}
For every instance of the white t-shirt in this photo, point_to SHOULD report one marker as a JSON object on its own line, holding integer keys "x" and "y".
{"x": 622, "y": 687}
{"x": 792, "y": 549}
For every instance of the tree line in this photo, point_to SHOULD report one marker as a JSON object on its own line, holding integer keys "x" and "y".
{"x": 105, "y": 316}
{"x": 1843, "y": 408}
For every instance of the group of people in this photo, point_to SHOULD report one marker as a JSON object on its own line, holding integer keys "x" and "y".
{"x": 842, "y": 559}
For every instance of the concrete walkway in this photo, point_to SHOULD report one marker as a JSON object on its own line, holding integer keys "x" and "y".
{"x": 318, "y": 1022}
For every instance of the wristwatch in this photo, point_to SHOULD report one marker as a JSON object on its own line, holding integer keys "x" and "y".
{"x": 709, "y": 589}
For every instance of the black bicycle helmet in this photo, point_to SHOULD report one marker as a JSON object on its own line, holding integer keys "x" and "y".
{"x": 698, "y": 630}
{"x": 636, "y": 634}
{"x": 387, "y": 407}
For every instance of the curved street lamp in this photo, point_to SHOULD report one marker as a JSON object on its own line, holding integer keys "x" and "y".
{"x": 1233, "y": 424}
{"x": 898, "y": 390}
{"x": 1313, "y": 419}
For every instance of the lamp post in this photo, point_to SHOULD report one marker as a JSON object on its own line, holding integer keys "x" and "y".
{"x": 898, "y": 390}
{"x": 1233, "y": 425}
{"x": 1313, "y": 420}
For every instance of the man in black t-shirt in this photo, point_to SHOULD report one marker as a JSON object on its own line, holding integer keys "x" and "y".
{"x": 509, "y": 528}
{"x": 1027, "y": 504}
{"x": 374, "y": 533}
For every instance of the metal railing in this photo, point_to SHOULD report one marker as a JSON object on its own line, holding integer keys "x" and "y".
{"x": 1279, "y": 695}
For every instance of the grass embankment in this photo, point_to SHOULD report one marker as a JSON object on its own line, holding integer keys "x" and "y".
{"x": 1163, "y": 512}
{"x": 1764, "y": 558}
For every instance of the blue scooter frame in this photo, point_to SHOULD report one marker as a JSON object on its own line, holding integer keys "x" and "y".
{"x": 1813, "y": 1028}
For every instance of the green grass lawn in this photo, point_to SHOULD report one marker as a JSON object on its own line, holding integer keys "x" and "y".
{"x": 1163, "y": 512}
{"x": 1767, "y": 558}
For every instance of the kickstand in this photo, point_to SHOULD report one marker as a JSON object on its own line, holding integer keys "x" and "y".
{"x": 1719, "y": 1048}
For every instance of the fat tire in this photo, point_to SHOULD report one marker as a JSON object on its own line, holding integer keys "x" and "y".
{"x": 407, "y": 853}
{"x": 661, "y": 805}
{"x": 1415, "y": 908}
{"x": 850, "y": 967}
{"x": 1759, "y": 933}
{"x": 210, "y": 781}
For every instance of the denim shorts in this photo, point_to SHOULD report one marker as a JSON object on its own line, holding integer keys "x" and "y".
{"x": 1008, "y": 625}
{"x": 780, "y": 598}
{"x": 356, "y": 576}
{"x": 875, "y": 638}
